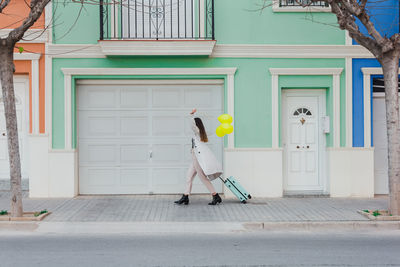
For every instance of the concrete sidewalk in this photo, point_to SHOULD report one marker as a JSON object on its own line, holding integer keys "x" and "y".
{"x": 160, "y": 208}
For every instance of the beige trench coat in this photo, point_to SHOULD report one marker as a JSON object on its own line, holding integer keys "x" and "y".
{"x": 206, "y": 158}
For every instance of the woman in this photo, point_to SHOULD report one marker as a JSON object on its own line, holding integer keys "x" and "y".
{"x": 204, "y": 163}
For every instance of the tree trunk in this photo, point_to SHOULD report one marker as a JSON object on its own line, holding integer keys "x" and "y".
{"x": 7, "y": 82}
{"x": 390, "y": 65}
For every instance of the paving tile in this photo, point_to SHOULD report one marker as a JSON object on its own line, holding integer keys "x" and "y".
{"x": 160, "y": 208}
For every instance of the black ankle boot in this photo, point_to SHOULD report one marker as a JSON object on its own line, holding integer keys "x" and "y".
{"x": 215, "y": 200}
{"x": 184, "y": 200}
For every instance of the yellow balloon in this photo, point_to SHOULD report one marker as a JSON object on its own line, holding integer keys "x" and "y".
{"x": 220, "y": 131}
{"x": 227, "y": 128}
{"x": 225, "y": 118}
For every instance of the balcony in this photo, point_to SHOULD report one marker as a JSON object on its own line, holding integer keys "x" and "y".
{"x": 297, "y": 6}
{"x": 157, "y": 27}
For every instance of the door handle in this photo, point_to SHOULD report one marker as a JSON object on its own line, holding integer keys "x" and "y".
{"x": 297, "y": 147}
{"x": 3, "y": 134}
{"x": 308, "y": 146}
{"x": 151, "y": 154}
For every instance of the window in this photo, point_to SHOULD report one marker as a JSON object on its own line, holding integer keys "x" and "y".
{"x": 302, "y": 111}
{"x": 284, "y": 3}
{"x": 297, "y": 6}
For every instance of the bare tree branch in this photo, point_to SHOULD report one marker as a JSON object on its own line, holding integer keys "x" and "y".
{"x": 3, "y": 4}
{"x": 37, "y": 7}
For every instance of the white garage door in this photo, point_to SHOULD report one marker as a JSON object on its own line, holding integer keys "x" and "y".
{"x": 135, "y": 136}
{"x": 380, "y": 144}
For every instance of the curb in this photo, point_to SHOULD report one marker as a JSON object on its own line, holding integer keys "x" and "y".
{"x": 187, "y": 227}
{"x": 329, "y": 225}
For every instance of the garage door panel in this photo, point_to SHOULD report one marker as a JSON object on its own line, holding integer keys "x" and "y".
{"x": 102, "y": 154}
{"x": 167, "y": 97}
{"x": 167, "y": 154}
{"x": 102, "y": 176}
{"x": 134, "y": 97}
{"x": 134, "y": 125}
{"x": 168, "y": 180}
{"x": 201, "y": 97}
{"x": 98, "y": 154}
{"x": 135, "y": 177}
{"x": 97, "y": 96}
{"x": 167, "y": 125}
{"x": 92, "y": 125}
{"x": 133, "y": 154}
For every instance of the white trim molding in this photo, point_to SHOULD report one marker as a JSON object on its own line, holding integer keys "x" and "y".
{"x": 34, "y": 58}
{"x": 348, "y": 39}
{"x": 35, "y": 96}
{"x": 276, "y": 72}
{"x": 69, "y": 72}
{"x": 157, "y": 47}
{"x": 27, "y": 56}
{"x": 74, "y": 51}
{"x": 230, "y": 50}
{"x": 48, "y": 16}
{"x": 30, "y": 36}
{"x": 349, "y": 102}
{"x": 367, "y": 72}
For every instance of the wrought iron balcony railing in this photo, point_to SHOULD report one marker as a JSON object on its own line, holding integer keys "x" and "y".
{"x": 299, "y": 3}
{"x": 157, "y": 19}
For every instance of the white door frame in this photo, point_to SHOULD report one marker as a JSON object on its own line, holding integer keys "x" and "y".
{"x": 322, "y": 171}
{"x": 367, "y": 72}
{"x": 334, "y": 72}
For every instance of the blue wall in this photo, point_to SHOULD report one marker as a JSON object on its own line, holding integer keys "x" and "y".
{"x": 385, "y": 16}
{"x": 358, "y": 98}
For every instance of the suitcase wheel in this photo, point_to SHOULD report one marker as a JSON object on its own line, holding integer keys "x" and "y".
{"x": 244, "y": 202}
{"x": 249, "y": 196}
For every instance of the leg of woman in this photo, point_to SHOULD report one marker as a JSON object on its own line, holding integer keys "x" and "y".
{"x": 202, "y": 176}
{"x": 190, "y": 176}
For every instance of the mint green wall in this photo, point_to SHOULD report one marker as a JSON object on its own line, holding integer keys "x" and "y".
{"x": 241, "y": 21}
{"x": 75, "y": 24}
{"x": 252, "y": 89}
{"x": 236, "y": 22}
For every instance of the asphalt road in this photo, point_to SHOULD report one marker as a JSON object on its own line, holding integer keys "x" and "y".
{"x": 377, "y": 248}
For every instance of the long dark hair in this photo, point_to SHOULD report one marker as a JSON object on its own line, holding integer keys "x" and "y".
{"x": 203, "y": 134}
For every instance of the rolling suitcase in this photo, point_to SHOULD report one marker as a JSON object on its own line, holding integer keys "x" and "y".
{"x": 236, "y": 189}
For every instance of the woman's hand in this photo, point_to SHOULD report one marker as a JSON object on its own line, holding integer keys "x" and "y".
{"x": 193, "y": 111}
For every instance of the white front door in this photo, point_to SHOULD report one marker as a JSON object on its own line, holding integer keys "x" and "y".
{"x": 21, "y": 85}
{"x": 135, "y": 136}
{"x": 302, "y": 140}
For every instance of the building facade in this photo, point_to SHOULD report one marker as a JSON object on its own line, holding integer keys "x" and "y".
{"x": 369, "y": 122}
{"x": 29, "y": 85}
{"x": 124, "y": 78}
